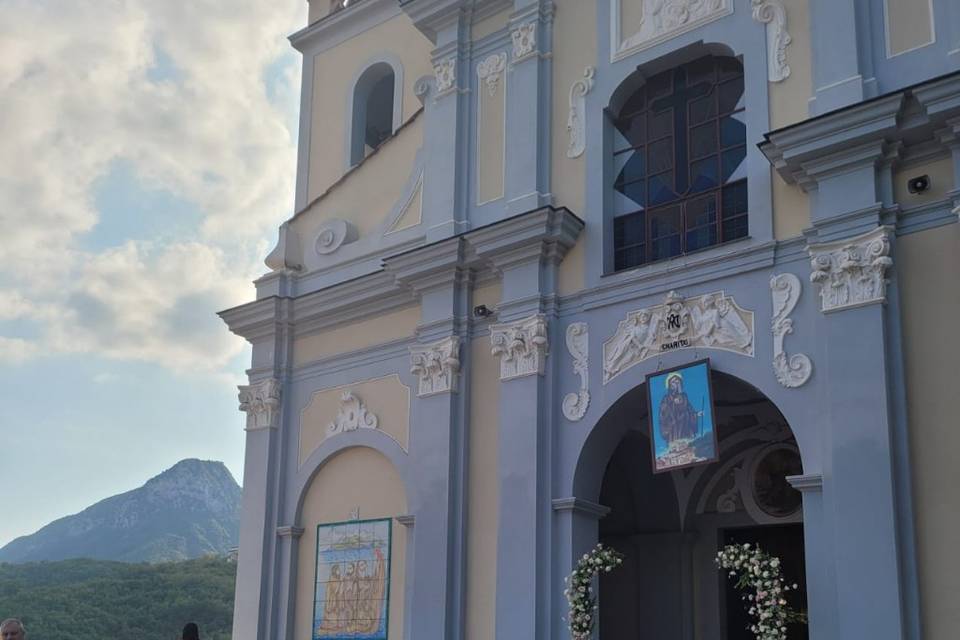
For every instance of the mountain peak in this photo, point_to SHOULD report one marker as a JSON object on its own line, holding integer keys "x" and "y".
{"x": 189, "y": 510}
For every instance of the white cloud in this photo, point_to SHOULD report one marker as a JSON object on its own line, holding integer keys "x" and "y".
{"x": 177, "y": 89}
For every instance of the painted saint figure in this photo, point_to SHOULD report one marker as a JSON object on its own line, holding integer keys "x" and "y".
{"x": 678, "y": 418}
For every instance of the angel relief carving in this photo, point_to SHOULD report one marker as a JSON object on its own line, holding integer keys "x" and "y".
{"x": 712, "y": 321}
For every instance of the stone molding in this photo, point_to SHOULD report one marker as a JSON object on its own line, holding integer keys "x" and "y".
{"x": 773, "y": 14}
{"x": 791, "y": 371}
{"x": 490, "y": 70}
{"x": 806, "y": 482}
{"x": 576, "y": 117}
{"x": 407, "y": 520}
{"x": 524, "y": 38}
{"x": 521, "y": 346}
{"x": 709, "y": 321}
{"x": 290, "y": 531}
{"x": 577, "y": 505}
{"x": 578, "y": 338}
{"x": 437, "y": 366}
{"x": 261, "y": 402}
{"x": 353, "y": 415}
{"x": 852, "y": 272}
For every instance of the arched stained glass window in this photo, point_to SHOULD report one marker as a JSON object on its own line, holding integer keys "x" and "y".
{"x": 679, "y": 160}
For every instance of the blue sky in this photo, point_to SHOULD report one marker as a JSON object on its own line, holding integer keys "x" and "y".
{"x": 147, "y": 156}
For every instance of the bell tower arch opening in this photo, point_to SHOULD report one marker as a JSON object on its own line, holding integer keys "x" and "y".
{"x": 670, "y": 525}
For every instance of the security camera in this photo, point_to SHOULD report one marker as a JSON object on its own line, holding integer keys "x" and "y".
{"x": 918, "y": 184}
{"x": 481, "y": 311}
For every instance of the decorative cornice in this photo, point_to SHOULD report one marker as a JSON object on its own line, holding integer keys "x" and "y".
{"x": 832, "y": 143}
{"x": 342, "y": 25}
{"x": 290, "y": 531}
{"x": 578, "y": 505}
{"x": 773, "y": 14}
{"x": 432, "y": 16}
{"x": 808, "y": 482}
{"x": 710, "y": 321}
{"x": 490, "y": 69}
{"x": 261, "y": 402}
{"x": 852, "y": 272}
{"x": 437, "y": 366}
{"x": 578, "y": 344}
{"x": 543, "y": 234}
{"x": 791, "y": 371}
{"x": 576, "y": 117}
{"x": 521, "y": 346}
{"x": 351, "y": 416}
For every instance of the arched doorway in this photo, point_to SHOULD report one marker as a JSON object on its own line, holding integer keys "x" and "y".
{"x": 670, "y": 525}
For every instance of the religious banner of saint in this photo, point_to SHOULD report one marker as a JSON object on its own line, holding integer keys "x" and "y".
{"x": 351, "y": 595}
{"x": 682, "y": 426}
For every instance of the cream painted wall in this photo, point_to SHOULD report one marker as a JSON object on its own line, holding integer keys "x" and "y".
{"x": 575, "y": 48}
{"x": 483, "y": 492}
{"x": 335, "y": 70}
{"x": 355, "y": 478}
{"x": 570, "y": 276}
{"x": 491, "y": 139}
{"x": 789, "y": 98}
{"x": 483, "y": 28}
{"x": 909, "y": 24}
{"x": 387, "y": 398}
{"x": 412, "y": 215}
{"x": 927, "y": 266}
{"x": 489, "y": 294}
{"x": 941, "y": 182}
{"x": 368, "y": 194}
{"x": 356, "y": 335}
{"x": 791, "y": 209}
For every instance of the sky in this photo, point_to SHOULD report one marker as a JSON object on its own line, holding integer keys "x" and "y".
{"x": 147, "y": 156}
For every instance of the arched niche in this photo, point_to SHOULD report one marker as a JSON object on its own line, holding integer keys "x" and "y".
{"x": 352, "y": 481}
{"x": 670, "y": 525}
{"x": 375, "y": 106}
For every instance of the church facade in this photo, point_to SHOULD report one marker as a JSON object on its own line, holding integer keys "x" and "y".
{"x": 661, "y": 274}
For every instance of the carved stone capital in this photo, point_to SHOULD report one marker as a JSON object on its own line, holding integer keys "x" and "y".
{"x": 290, "y": 532}
{"x": 711, "y": 321}
{"x": 490, "y": 69}
{"x": 576, "y": 117}
{"x": 352, "y": 415}
{"x": 521, "y": 346}
{"x": 437, "y": 366}
{"x": 261, "y": 402}
{"x": 852, "y": 272}
{"x": 791, "y": 371}
{"x": 575, "y": 404}
{"x": 774, "y": 14}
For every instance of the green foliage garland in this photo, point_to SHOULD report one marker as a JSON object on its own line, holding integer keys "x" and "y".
{"x": 579, "y": 592}
{"x": 759, "y": 575}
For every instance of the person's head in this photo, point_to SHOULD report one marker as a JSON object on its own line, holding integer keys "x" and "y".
{"x": 675, "y": 383}
{"x": 12, "y": 629}
{"x": 191, "y": 632}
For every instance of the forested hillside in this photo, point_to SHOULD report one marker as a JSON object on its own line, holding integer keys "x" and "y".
{"x": 96, "y": 599}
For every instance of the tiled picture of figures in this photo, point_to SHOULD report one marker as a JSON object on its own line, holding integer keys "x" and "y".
{"x": 351, "y": 597}
{"x": 681, "y": 417}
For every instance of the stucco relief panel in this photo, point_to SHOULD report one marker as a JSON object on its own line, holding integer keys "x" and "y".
{"x": 710, "y": 321}
{"x": 640, "y": 24}
{"x": 381, "y": 403}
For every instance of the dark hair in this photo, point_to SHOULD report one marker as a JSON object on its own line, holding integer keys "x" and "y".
{"x": 191, "y": 632}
